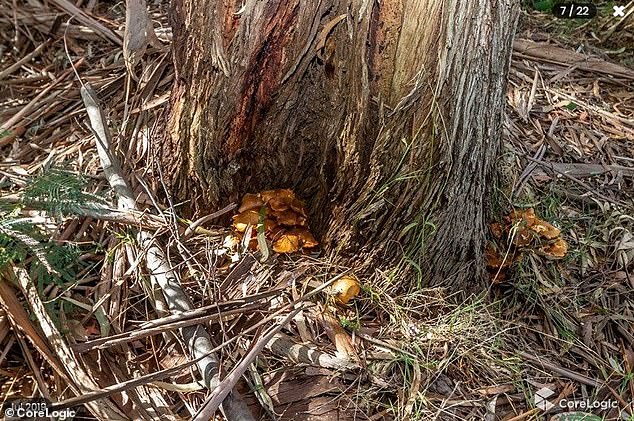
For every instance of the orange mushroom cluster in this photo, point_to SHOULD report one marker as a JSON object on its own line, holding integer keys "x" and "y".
{"x": 521, "y": 231}
{"x": 280, "y": 215}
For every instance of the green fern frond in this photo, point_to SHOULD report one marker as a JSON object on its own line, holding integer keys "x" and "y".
{"x": 60, "y": 192}
{"x": 27, "y": 241}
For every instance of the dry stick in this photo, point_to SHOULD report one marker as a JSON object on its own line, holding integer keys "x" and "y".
{"x": 196, "y": 338}
{"x": 282, "y": 345}
{"x": 122, "y": 216}
{"x": 42, "y": 387}
{"x": 213, "y": 401}
{"x": 519, "y": 185}
{"x": 525, "y": 415}
{"x": 141, "y": 219}
{"x": 192, "y": 228}
{"x": 110, "y": 341}
{"x": 18, "y": 314}
{"x": 15, "y": 66}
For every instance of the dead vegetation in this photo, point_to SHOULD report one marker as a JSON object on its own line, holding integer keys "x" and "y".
{"x": 83, "y": 323}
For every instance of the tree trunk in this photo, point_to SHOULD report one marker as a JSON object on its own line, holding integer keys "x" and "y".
{"x": 385, "y": 116}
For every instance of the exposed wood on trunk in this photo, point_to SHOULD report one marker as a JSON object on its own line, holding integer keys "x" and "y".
{"x": 387, "y": 120}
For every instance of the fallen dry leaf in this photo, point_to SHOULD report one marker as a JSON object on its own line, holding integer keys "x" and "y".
{"x": 337, "y": 334}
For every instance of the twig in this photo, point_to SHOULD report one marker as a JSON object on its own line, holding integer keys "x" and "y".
{"x": 15, "y": 66}
{"x": 133, "y": 335}
{"x": 192, "y": 228}
{"x": 517, "y": 188}
{"x": 31, "y": 105}
{"x": 77, "y": 13}
{"x": 283, "y": 346}
{"x": 525, "y": 414}
{"x": 122, "y": 216}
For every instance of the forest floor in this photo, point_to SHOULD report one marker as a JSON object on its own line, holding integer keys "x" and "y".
{"x": 557, "y": 319}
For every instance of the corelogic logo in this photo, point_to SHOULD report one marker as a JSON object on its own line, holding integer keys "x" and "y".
{"x": 541, "y": 401}
{"x": 541, "y": 397}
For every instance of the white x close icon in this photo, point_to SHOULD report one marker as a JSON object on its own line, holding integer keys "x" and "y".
{"x": 619, "y": 11}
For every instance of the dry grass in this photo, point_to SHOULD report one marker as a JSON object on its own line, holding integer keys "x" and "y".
{"x": 422, "y": 355}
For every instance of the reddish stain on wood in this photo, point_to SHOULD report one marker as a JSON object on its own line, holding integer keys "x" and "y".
{"x": 264, "y": 72}
{"x": 231, "y": 20}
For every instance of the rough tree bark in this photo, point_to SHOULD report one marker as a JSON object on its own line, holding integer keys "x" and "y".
{"x": 385, "y": 116}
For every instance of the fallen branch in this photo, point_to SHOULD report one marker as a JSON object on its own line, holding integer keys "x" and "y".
{"x": 162, "y": 276}
{"x": 161, "y": 374}
{"x": 131, "y": 217}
